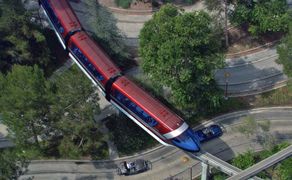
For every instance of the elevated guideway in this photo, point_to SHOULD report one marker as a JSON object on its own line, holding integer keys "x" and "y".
{"x": 217, "y": 163}
{"x": 264, "y": 164}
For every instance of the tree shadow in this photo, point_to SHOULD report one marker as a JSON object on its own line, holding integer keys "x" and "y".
{"x": 252, "y": 74}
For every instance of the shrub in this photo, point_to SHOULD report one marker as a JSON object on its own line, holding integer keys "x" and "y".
{"x": 123, "y": 3}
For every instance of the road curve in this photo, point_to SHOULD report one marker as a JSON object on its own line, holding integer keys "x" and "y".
{"x": 249, "y": 75}
{"x": 252, "y": 74}
{"x": 167, "y": 161}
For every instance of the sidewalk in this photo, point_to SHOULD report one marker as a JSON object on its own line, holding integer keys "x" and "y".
{"x": 106, "y": 110}
{"x": 3, "y": 130}
{"x": 252, "y": 58}
{"x": 4, "y": 143}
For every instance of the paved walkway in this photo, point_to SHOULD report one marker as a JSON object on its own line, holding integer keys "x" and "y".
{"x": 4, "y": 143}
{"x": 3, "y": 130}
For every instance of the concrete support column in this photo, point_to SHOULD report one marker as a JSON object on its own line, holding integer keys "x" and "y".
{"x": 205, "y": 171}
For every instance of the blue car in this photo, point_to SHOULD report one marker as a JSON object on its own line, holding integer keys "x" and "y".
{"x": 209, "y": 133}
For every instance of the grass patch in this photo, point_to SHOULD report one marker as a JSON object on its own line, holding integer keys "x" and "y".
{"x": 230, "y": 105}
{"x": 281, "y": 96}
{"x": 128, "y": 137}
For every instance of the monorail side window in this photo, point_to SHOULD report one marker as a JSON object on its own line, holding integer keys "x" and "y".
{"x": 135, "y": 109}
{"x": 53, "y": 17}
{"x": 77, "y": 52}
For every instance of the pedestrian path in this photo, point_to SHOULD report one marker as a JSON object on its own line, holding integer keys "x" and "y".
{"x": 3, "y": 130}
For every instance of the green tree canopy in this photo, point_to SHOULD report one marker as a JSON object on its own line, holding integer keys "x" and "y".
{"x": 12, "y": 163}
{"x": 245, "y": 160}
{"x": 181, "y": 51}
{"x": 76, "y": 104}
{"x": 285, "y": 52}
{"x": 24, "y": 103}
{"x": 261, "y": 15}
{"x": 106, "y": 32}
{"x": 21, "y": 41}
{"x": 55, "y": 118}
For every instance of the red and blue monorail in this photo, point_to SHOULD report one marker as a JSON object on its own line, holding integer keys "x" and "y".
{"x": 150, "y": 114}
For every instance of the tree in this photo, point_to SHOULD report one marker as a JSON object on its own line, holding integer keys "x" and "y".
{"x": 251, "y": 126}
{"x": 13, "y": 163}
{"x": 127, "y": 136}
{"x": 285, "y": 169}
{"x": 248, "y": 127}
{"x": 50, "y": 116}
{"x": 262, "y": 16}
{"x": 24, "y": 104}
{"x": 76, "y": 104}
{"x": 220, "y": 6}
{"x": 21, "y": 41}
{"x": 245, "y": 160}
{"x": 181, "y": 51}
{"x": 285, "y": 52}
{"x": 105, "y": 31}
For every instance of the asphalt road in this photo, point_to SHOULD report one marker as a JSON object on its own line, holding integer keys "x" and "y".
{"x": 168, "y": 161}
{"x": 252, "y": 74}
{"x": 248, "y": 75}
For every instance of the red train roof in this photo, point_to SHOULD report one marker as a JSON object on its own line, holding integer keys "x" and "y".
{"x": 95, "y": 54}
{"x": 168, "y": 121}
{"x": 65, "y": 14}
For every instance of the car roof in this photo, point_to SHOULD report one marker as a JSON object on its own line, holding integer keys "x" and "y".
{"x": 139, "y": 164}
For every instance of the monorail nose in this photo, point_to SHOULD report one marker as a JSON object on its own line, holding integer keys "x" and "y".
{"x": 187, "y": 141}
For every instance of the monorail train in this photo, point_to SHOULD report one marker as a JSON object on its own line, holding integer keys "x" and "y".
{"x": 147, "y": 112}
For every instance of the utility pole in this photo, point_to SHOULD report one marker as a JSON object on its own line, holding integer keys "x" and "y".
{"x": 226, "y": 23}
{"x": 226, "y": 75}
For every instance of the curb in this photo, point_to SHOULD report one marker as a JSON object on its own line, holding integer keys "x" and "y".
{"x": 252, "y": 50}
{"x": 250, "y": 62}
{"x": 261, "y": 90}
{"x": 131, "y": 12}
{"x": 252, "y": 81}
